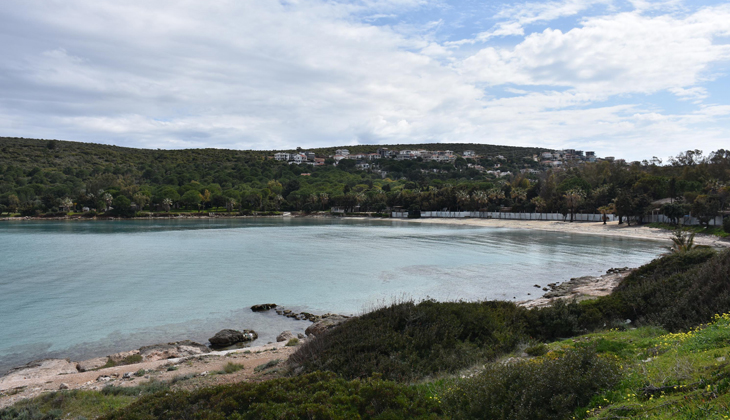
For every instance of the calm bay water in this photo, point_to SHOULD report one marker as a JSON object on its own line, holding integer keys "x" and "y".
{"x": 81, "y": 289}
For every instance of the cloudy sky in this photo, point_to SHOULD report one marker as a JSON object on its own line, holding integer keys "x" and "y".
{"x": 633, "y": 79}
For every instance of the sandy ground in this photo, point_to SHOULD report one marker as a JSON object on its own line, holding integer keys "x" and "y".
{"x": 591, "y": 228}
{"x": 200, "y": 368}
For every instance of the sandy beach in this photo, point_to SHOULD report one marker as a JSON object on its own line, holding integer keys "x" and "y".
{"x": 589, "y": 228}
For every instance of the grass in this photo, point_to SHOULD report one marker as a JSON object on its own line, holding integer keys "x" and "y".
{"x": 292, "y": 342}
{"x": 682, "y": 375}
{"x": 78, "y": 404}
{"x": 712, "y": 230}
{"x": 232, "y": 367}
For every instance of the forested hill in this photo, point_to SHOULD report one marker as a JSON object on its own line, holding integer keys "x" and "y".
{"x": 50, "y": 177}
{"x": 58, "y": 155}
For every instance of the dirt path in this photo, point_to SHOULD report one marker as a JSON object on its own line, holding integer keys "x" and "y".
{"x": 201, "y": 370}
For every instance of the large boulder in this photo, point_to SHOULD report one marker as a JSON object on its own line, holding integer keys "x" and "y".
{"x": 320, "y": 327}
{"x": 91, "y": 364}
{"x": 263, "y": 307}
{"x": 172, "y": 350}
{"x": 225, "y": 338}
{"x": 285, "y": 336}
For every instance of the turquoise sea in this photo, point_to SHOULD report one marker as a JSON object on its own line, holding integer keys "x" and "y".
{"x": 82, "y": 289}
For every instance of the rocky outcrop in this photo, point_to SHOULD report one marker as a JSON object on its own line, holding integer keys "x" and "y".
{"x": 320, "y": 327}
{"x": 580, "y": 288}
{"x": 263, "y": 307}
{"x": 124, "y": 357}
{"x": 304, "y": 316}
{"x": 172, "y": 350}
{"x": 23, "y": 375}
{"x": 91, "y": 364}
{"x": 285, "y": 336}
{"x": 226, "y": 338}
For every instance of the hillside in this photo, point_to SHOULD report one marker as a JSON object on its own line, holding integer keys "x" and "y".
{"x": 49, "y": 177}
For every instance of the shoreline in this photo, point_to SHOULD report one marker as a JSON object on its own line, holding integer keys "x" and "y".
{"x": 641, "y": 232}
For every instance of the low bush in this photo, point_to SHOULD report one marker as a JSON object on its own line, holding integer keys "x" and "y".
{"x": 677, "y": 292}
{"x": 292, "y": 342}
{"x": 408, "y": 340}
{"x": 536, "y": 350}
{"x": 551, "y": 387}
{"x": 267, "y": 365}
{"x": 232, "y": 367}
{"x": 318, "y": 395}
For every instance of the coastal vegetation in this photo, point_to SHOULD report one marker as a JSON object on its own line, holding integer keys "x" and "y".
{"x": 55, "y": 178}
{"x": 657, "y": 347}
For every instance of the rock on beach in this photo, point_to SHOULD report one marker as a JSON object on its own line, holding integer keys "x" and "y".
{"x": 320, "y": 327}
{"x": 228, "y": 337}
{"x": 285, "y": 336}
{"x": 172, "y": 350}
{"x": 263, "y": 307}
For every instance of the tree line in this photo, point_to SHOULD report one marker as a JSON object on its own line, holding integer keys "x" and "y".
{"x": 51, "y": 177}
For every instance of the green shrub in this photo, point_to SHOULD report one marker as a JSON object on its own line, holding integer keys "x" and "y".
{"x": 232, "y": 367}
{"x": 140, "y": 372}
{"x": 318, "y": 395}
{"x": 130, "y": 360}
{"x": 551, "y": 387}
{"x": 292, "y": 342}
{"x": 267, "y": 365}
{"x": 537, "y": 350}
{"x": 677, "y": 291}
{"x": 408, "y": 340}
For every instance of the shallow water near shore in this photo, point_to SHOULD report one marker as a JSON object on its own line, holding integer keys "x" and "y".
{"x": 82, "y": 289}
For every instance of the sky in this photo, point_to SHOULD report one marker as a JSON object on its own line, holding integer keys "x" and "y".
{"x": 632, "y": 79}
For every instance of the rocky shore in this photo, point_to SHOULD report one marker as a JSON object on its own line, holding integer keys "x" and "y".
{"x": 579, "y": 288}
{"x": 163, "y": 361}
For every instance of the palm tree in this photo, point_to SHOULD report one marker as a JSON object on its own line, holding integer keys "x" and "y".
{"x": 66, "y": 204}
{"x": 278, "y": 199}
{"x": 462, "y": 198}
{"x": 107, "y": 198}
{"x": 313, "y": 200}
{"x": 359, "y": 198}
{"x": 480, "y": 197}
{"x": 518, "y": 194}
{"x": 324, "y": 198}
{"x": 167, "y": 203}
{"x": 495, "y": 195}
{"x": 573, "y": 199}
{"x": 604, "y": 210}
{"x": 683, "y": 241}
{"x": 230, "y": 204}
{"x": 539, "y": 204}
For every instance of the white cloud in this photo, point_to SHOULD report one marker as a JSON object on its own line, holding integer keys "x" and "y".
{"x": 516, "y": 17}
{"x": 622, "y": 53}
{"x": 262, "y": 74}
